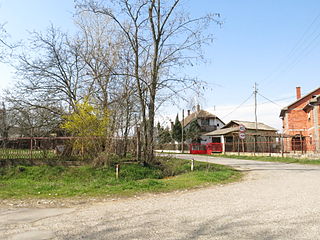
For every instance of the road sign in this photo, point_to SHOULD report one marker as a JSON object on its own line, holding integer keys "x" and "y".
{"x": 242, "y": 128}
{"x": 242, "y": 135}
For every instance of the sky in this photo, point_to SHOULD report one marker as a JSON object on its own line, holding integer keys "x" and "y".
{"x": 273, "y": 43}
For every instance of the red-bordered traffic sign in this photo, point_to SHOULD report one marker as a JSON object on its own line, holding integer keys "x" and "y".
{"x": 242, "y": 135}
{"x": 242, "y": 128}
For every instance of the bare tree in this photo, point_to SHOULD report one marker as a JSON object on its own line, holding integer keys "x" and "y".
{"x": 5, "y": 46}
{"x": 50, "y": 72}
{"x": 106, "y": 58}
{"x": 162, "y": 38}
{"x": 100, "y": 48}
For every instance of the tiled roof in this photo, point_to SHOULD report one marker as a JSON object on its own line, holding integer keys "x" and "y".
{"x": 283, "y": 110}
{"x": 222, "y": 131}
{"x": 196, "y": 115}
{"x": 251, "y": 125}
{"x": 313, "y": 101}
{"x": 248, "y": 125}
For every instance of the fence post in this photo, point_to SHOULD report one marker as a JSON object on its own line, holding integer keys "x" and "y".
{"x": 117, "y": 170}
{"x": 31, "y": 147}
{"x": 192, "y": 164}
{"x": 281, "y": 142}
{"x": 269, "y": 140}
{"x": 242, "y": 142}
{"x": 254, "y": 144}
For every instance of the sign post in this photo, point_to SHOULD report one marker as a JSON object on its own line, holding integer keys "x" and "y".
{"x": 242, "y": 135}
{"x": 242, "y": 131}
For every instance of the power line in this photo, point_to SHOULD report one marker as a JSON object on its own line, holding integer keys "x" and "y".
{"x": 294, "y": 56}
{"x": 259, "y": 104}
{"x": 303, "y": 37}
{"x": 239, "y": 106}
{"x": 270, "y": 100}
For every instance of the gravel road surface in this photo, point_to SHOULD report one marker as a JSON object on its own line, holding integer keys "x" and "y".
{"x": 274, "y": 201}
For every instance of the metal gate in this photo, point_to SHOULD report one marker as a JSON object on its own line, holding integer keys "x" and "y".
{"x": 209, "y": 148}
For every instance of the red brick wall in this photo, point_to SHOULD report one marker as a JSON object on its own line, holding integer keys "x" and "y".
{"x": 296, "y": 121}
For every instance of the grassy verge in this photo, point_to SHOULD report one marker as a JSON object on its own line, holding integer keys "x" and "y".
{"x": 271, "y": 159}
{"x": 54, "y": 182}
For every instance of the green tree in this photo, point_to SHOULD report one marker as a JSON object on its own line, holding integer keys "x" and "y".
{"x": 177, "y": 130}
{"x": 194, "y": 131}
{"x": 164, "y": 135}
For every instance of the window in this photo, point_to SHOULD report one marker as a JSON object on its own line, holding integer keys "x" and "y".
{"x": 204, "y": 122}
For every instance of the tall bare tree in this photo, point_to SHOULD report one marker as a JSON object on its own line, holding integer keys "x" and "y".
{"x": 4, "y": 45}
{"x": 105, "y": 56}
{"x": 162, "y": 38}
{"x": 51, "y": 72}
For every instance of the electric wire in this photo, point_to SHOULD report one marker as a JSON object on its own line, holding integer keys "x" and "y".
{"x": 270, "y": 100}
{"x": 247, "y": 99}
{"x": 297, "y": 52}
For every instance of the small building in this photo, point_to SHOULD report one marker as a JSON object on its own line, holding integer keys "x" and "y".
{"x": 207, "y": 122}
{"x": 301, "y": 122}
{"x": 260, "y": 138}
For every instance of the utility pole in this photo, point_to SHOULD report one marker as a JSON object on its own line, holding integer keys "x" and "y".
{"x": 182, "y": 137}
{"x": 255, "y": 105}
{"x": 255, "y": 115}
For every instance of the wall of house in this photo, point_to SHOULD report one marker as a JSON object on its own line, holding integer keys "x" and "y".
{"x": 214, "y": 124}
{"x": 313, "y": 119}
{"x": 206, "y": 139}
{"x": 298, "y": 122}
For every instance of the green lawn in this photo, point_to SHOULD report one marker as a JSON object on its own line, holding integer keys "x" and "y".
{"x": 52, "y": 182}
{"x": 271, "y": 159}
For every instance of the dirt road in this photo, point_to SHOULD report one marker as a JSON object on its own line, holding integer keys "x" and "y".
{"x": 274, "y": 201}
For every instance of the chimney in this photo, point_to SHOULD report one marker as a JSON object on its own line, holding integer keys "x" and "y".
{"x": 298, "y": 92}
{"x": 188, "y": 112}
{"x": 198, "y": 108}
{"x": 171, "y": 125}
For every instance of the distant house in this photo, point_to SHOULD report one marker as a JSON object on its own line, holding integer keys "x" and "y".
{"x": 301, "y": 122}
{"x": 207, "y": 121}
{"x": 229, "y": 136}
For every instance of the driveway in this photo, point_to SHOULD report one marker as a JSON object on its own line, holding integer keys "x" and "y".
{"x": 274, "y": 201}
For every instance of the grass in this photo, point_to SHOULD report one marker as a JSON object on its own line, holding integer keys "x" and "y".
{"x": 272, "y": 159}
{"x": 54, "y": 182}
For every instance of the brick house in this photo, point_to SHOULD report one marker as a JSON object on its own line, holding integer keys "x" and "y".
{"x": 301, "y": 122}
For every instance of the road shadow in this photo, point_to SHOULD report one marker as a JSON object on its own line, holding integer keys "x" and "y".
{"x": 240, "y": 225}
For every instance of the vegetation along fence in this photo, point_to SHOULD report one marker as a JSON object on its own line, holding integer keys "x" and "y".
{"x": 66, "y": 148}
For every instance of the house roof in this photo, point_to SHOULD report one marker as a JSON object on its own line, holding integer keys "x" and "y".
{"x": 198, "y": 114}
{"x": 313, "y": 101}
{"x": 285, "y": 109}
{"x": 251, "y": 125}
{"x": 248, "y": 125}
{"x": 222, "y": 131}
